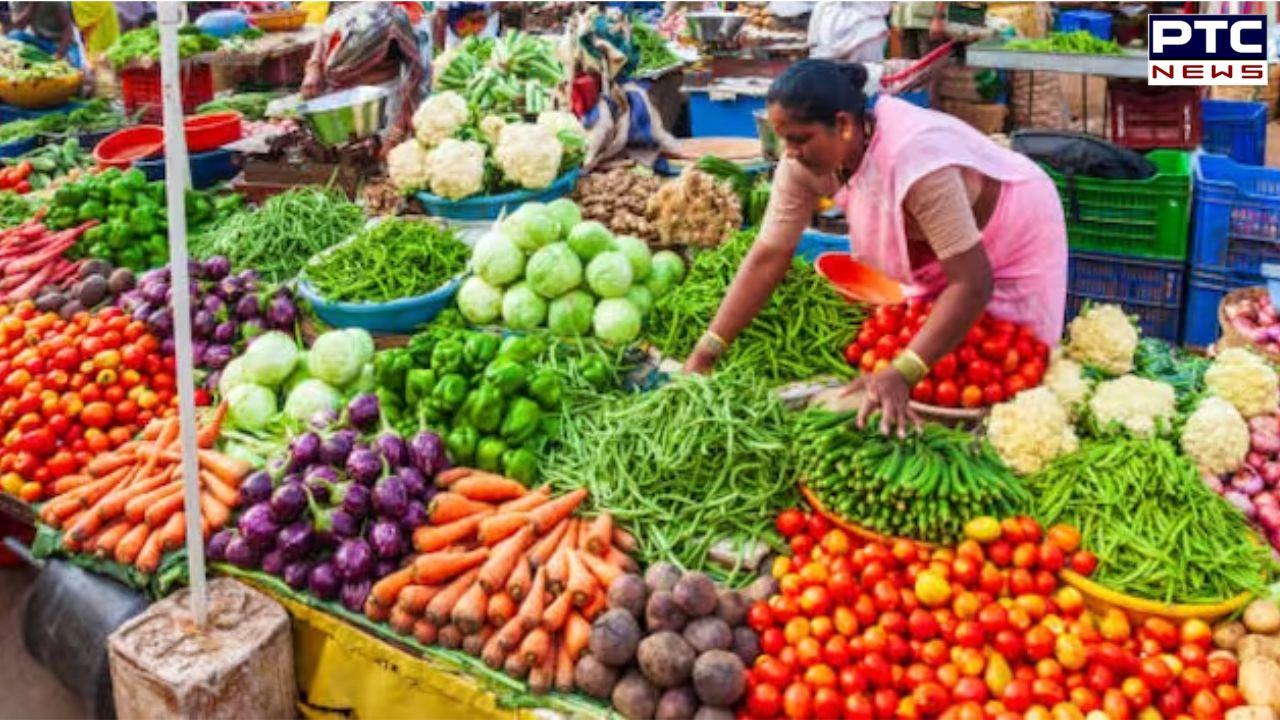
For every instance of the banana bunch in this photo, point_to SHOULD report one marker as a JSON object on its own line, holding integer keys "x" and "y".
{"x": 516, "y": 73}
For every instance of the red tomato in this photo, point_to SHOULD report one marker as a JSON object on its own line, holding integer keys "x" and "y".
{"x": 827, "y": 704}
{"x": 1205, "y": 706}
{"x": 96, "y": 414}
{"x": 764, "y": 702}
{"x": 923, "y": 392}
{"x": 790, "y": 522}
{"x": 992, "y": 394}
{"x": 971, "y": 397}
{"x": 1136, "y": 692}
{"x": 1039, "y": 642}
{"x": 817, "y": 525}
{"x": 759, "y": 616}
{"x": 1162, "y": 631}
{"x": 858, "y": 707}
{"x": 945, "y": 368}
{"x": 1084, "y": 562}
{"x": 1193, "y": 680}
{"x": 852, "y": 680}
{"x": 1172, "y": 702}
{"x": 1009, "y": 644}
{"x": 1017, "y": 695}
{"x": 969, "y": 634}
{"x": 1100, "y": 678}
{"x": 1116, "y": 705}
{"x": 797, "y": 701}
{"x": 930, "y": 698}
{"x": 1223, "y": 670}
{"x": 947, "y": 394}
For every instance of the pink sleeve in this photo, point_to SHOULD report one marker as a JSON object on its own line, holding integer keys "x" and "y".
{"x": 793, "y": 197}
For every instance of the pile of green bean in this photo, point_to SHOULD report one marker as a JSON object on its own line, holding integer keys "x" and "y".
{"x": 799, "y": 334}
{"x": 926, "y": 486}
{"x": 683, "y": 467}
{"x": 1077, "y": 42}
{"x": 1159, "y": 532}
{"x": 281, "y": 236}
{"x": 393, "y": 259}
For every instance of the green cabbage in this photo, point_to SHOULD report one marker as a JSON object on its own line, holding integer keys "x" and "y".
{"x": 570, "y": 314}
{"x": 365, "y": 348}
{"x": 609, "y": 274}
{"x": 310, "y": 397}
{"x": 637, "y": 253}
{"x": 553, "y": 270}
{"x": 566, "y": 214}
{"x": 250, "y": 406}
{"x": 531, "y": 226}
{"x": 589, "y": 239}
{"x": 522, "y": 308}
{"x": 665, "y": 273}
{"x": 337, "y": 357}
{"x": 616, "y": 321}
{"x": 232, "y": 375}
{"x": 480, "y": 302}
{"x": 300, "y": 373}
{"x": 497, "y": 260}
{"x": 269, "y": 359}
{"x": 640, "y": 296}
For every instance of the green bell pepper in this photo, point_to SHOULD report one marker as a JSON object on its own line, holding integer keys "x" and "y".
{"x": 420, "y": 347}
{"x": 61, "y": 218}
{"x": 121, "y": 194}
{"x": 418, "y": 384}
{"x": 508, "y": 376}
{"x": 461, "y": 445}
{"x": 520, "y": 464}
{"x": 69, "y": 196}
{"x": 142, "y": 221}
{"x": 450, "y": 391}
{"x": 521, "y": 349}
{"x": 596, "y": 371}
{"x": 390, "y": 369}
{"x": 489, "y": 454}
{"x": 479, "y": 350}
{"x": 485, "y": 413}
{"x": 522, "y": 422}
{"x": 91, "y": 210}
{"x": 391, "y": 405}
{"x": 446, "y": 357}
{"x": 545, "y": 387}
{"x": 134, "y": 179}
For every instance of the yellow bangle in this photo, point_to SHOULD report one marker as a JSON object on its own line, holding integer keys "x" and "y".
{"x": 713, "y": 342}
{"x": 911, "y": 366}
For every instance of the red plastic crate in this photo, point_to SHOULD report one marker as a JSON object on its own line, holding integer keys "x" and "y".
{"x": 285, "y": 69}
{"x": 140, "y": 89}
{"x": 1145, "y": 118}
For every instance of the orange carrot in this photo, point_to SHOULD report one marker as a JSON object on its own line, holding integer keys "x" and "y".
{"x": 440, "y": 607}
{"x": 109, "y": 537}
{"x": 174, "y": 532}
{"x": 113, "y": 505}
{"x": 501, "y": 609}
{"x": 447, "y": 507}
{"x": 474, "y": 643}
{"x": 155, "y": 428}
{"x": 528, "y": 501}
{"x": 515, "y": 666}
{"x": 470, "y": 609}
{"x": 430, "y": 538}
{"x": 159, "y": 513}
{"x": 557, "y": 613}
{"x": 598, "y": 535}
{"x": 107, "y": 463}
{"x": 603, "y": 572}
{"x": 500, "y": 527}
{"x": 577, "y": 632}
{"x": 424, "y": 632}
{"x": 496, "y": 570}
{"x": 56, "y": 511}
{"x": 504, "y": 641}
{"x": 224, "y": 493}
{"x": 558, "y": 565}
{"x": 563, "y": 680}
{"x": 448, "y": 477}
{"x": 229, "y": 470}
{"x": 595, "y": 606}
{"x": 86, "y": 525}
{"x": 624, "y": 541}
{"x": 376, "y": 612}
{"x": 131, "y": 544}
{"x": 435, "y": 568}
{"x": 148, "y": 559}
{"x": 207, "y": 435}
{"x": 386, "y": 590}
{"x": 542, "y": 673}
{"x": 621, "y": 560}
{"x": 449, "y": 637}
{"x": 401, "y": 621}
{"x": 414, "y": 598}
{"x": 518, "y": 583}
{"x": 64, "y": 485}
{"x": 213, "y": 510}
{"x": 545, "y": 516}
{"x": 530, "y": 613}
{"x": 541, "y": 551}
{"x": 535, "y": 646}
{"x": 489, "y": 488}
{"x": 136, "y": 509}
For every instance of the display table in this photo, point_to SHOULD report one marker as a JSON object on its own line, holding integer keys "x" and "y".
{"x": 1132, "y": 64}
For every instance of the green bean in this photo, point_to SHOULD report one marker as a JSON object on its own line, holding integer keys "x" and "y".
{"x": 395, "y": 259}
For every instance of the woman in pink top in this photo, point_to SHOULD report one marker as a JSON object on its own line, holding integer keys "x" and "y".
{"x": 930, "y": 202}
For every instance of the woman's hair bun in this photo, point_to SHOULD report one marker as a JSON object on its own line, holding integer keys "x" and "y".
{"x": 815, "y": 90}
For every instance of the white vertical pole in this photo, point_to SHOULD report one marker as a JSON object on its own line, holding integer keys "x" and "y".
{"x": 177, "y": 173}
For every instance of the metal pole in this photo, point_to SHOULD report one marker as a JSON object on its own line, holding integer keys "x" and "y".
{"x": 177, "y": 172}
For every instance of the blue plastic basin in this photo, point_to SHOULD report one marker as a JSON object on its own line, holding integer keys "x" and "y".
{"x": 400, "y": 316}
{"x": 18, "y": 147}
{"x": 491, "y": 207}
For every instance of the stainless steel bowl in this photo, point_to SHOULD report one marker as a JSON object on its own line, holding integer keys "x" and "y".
{"x": 716, "y": 27}
{"x": 346, "y": 115}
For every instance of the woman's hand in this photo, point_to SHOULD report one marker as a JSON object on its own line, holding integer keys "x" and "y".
{"x": 887, "y": 392}
{"x": 700, "y": 362}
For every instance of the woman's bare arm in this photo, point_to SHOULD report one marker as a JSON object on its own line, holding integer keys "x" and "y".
{"x": 968, "y": 290}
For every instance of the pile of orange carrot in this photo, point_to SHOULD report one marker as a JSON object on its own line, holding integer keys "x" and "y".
{"x": 507, "y": 574}
{"x": 127, "y": 504}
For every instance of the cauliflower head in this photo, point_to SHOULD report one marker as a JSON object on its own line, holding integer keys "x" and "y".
{"x": 1245, "y": 380}
{"x": 560, "y": 121}
{"x": 1030, "y": 430}
{"x": 1104, "y": 338}
{"x": 439, "y": 117}
{"x": 1140, "y": 405}
{"x": 407, "y": 165}
{"x": 1065, "y": 378}
{"x": 1216, "y": 436}
{"x": 455, "y": 168}
{"x": 491, "y": 127}
{"x": 528, "y": 155}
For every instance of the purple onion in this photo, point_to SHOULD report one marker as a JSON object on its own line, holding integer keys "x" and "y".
{"x": 1247, "y": 482}
{"x": 240, "y": 553}
{"x": 295, "y": 574}
{"x": 1241, "y": 502}
{"x": 217, "y": 267}
{"x": 335, "y": 449}
{"x": 273, "y": 562}
{"x": 304, "y": 450}
{"x": 257, "y": 525}
{"x": 356, "y": 499}
{"x": 295, "y": 540}
{"x": 217, "y": 547}
{"x": 256, "y": 488}
{"x": 392, "y": 448}
{"x": 323, "y": 581}
{"x": 354, "y": 595}
{"x": 247, "y": 307}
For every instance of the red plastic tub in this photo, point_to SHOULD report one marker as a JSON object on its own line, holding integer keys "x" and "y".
{"x": 212, "y": 131}
{"x": 857, "y": 282}
{"x": 121, "y": 148}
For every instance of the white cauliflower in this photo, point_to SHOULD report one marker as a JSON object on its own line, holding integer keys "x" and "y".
{"x": 559, "y": 120}
{"x": 456, "y": 168}
{"x": 439, "y": 117}
{"x": 529, "y": 155}
{"x": 1245, "y": 380}
{"x": 1103, "y": 337}
{"x": 1141, "y": 406}
{"x": 491, "y": 127}
{"x": 1030, "y": 430}
{"x": 407, "y": 165}
{"x": 1066, "y": 379}
{"x": 1216, "y": 436}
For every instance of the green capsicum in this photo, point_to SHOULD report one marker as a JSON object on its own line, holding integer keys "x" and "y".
{"x": 508, "y": 376}
{"x": 521, "y": 349}
{"x": 461, "y": 445}
{"x": 489, "y": 454}
{"x": 520, "y": 464}
{"x": 390, "y": 404}
{"x": 420, "y": 347}
{"x": 596, "y": 372}
{"x": 390, "y": 369}
{"x": 418, "y": 384}
{"x": 545, "y": 388}
{"x": 446, "y": 357}
{"x": 485, "y": 412}
{"x": 479, "y": 349}
{"x": 522, "y": 422}
{"x": 69, "y": 196}
{"x": 450, "y": 391}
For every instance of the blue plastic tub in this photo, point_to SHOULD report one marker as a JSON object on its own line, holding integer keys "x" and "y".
{"x": 12, "y": 112}
{"x": 1235, "y": 219}
{"x": 1150, "y": 289}
{"x": 1095, "y": 22}
{"x": 1205, "y": 289}
{"x": 18, "y": 147}
{"x": 723, "y": 118}
{"x": 814, "y": 243}
{"x": 491, "y": 207}
{"x": 207, "y": 168}
{"x": 1235, "y": 128}
{"x": 401, "y": 316}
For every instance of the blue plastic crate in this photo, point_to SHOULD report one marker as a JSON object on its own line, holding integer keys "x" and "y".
{"x": 1235, "y": 128}
{"x": 1235, "y": 218}
{"x": 1205, "y": 289}
{"x": 723, "y": 118}
{"x": 813, "y": 243}
{"x": 207, "y": 168}
{"x": 12, "y": 112}
{"x": 1150, "y": 289}
{"x": 1097, "y": 23}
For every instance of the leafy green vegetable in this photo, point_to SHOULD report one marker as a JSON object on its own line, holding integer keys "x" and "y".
{"x": 144, "y": 43}
{"x": 251, "y": 406}
{"x": 610, "y": 274}
{"x": 522, "y": 308}
{"x": 655, "y": 54}
{"x": 311, "y": 396}
{"x": 554, "y": 270}
{"x": 1080, "y": 42}
{"x": 14, "y": 209}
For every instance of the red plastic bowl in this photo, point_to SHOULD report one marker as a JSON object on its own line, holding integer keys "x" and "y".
{"x": 212, "y": 131}
{"x": 857, "y": 282}
{"x": 121, "y": 148}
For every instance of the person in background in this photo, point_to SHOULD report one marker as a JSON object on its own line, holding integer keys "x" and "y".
{"x": 48, "y": 26}
{"x": 133, "y": 14}
{"x": 457, "y": 21}
{"x": 935, "y": 205}
{"x": 849, "y": 32}
{"x": 99, "y": 24}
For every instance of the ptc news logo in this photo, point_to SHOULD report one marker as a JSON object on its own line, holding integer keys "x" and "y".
{"x": 1206, "y": 50}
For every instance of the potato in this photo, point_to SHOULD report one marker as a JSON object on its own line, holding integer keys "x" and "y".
{"x": 614, "y": 637}
{"x": 1229, "y": 635}
{"x": 1260, "y": 682}
{"x": 1250, "y": 712}
{"x": 719, "y": 678}
{"x": 666, "y": 659}
{"x": 629, "y": 593}
{"x": 706, "y": 712}
{"x": 731, "y": 607}
{"x": 746, "y": 644}
{"x": 1262, "y": 617}
{"x": 635, "y": 697}
{"x": 662, "y": 613}
{"x": 708, "y": 633}
{"x": 677, "y": 704}
{"x": 661, "y": 576}
{"x": 594, "y": 677}
{"x": 1258, "y": 646}
{"x": 695, "y": 593}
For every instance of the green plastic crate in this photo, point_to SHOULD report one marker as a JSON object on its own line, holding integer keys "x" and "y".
{"x": 1139, "y": 218}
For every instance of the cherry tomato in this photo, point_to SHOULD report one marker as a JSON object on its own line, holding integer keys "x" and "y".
{"x": 790, "y": 522}
{"x": 971, "y": 397}
{"x": 797, "y": 701}
{"x": 923, "y": 392}
{"x": 1205, "y": 706}
{"x": 1084, "y": 562}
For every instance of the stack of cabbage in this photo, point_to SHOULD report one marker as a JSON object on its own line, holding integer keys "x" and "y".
{"x": 314, "y": 383}
{"x": 544, "y": 266}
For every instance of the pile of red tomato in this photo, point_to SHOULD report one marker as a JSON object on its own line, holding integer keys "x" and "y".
{"x": 72, "y": 389}
{"x": 15, "y": 179}
{"x": 996, "y": 360}
{"x": 877, "y": 630}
